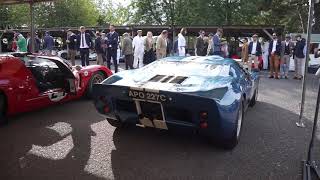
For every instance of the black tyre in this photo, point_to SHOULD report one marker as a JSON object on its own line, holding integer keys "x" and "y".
{"x": 254, "y": 99}
{"x": 115, "y": 123}
{"x": 96, "y": 78}
{"x": 3, "y": 107}
{"x": 64, "y": 56}
{"x": 231, "y": 143}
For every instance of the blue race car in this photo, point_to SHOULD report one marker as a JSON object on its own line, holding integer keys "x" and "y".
{"x": 208, "y": 95}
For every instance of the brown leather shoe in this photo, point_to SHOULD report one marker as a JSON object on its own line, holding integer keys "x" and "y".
{"x": 270, "y": 77}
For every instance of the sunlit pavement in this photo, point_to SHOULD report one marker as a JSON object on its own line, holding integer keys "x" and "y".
{"x": 72, "y": 141}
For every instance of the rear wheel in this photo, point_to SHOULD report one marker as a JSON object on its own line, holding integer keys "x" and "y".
{"x": 3, "y": 107}
{"x": 230, "y": 144}
{"x": 96, "y": 78}
{"x": 115, "y": 123}
{"x": 64, "y": 56}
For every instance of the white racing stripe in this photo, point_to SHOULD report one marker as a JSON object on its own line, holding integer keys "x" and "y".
{"x": 136, "y": 88}
{"x": 152, "y": 90}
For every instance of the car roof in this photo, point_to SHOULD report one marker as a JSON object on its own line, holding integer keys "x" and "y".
{"x": 15, "y": 54}
{"x": 218, "y": 60}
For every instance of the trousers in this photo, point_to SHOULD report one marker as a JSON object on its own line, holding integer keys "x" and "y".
{"x": 112, "y": 53}
{"x": 84, "y": 54}
{"x": 274, "y": 65}
{"x": 284, "y": 65}
{"x": 299, "y": 66}
{"x": 138, "y": 59}
{"x": 253, "y": 59}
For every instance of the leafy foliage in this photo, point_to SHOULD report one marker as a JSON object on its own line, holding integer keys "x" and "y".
{"x": 292, "y": 14}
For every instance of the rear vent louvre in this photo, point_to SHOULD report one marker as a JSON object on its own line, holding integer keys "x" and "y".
{"x": 178, "y": 79}
{"x": 167, "y": 79}
{"x": 156, "y": 78}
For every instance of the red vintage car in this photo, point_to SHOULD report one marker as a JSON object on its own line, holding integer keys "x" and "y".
{"x": 29, "y": 82}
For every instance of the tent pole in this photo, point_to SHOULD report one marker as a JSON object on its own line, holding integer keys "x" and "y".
{"x": 303, "y": 94}
{"x": 32, "y": 27}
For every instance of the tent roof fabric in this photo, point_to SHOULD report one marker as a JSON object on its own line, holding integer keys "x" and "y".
{"x": 11, "y": 2}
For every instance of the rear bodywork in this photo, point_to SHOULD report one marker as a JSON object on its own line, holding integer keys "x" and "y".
{"x": 175, "y": 93}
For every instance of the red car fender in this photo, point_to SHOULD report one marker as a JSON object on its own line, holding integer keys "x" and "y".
{"x": 13, "y": 78}
{"x": 87, "y": 72}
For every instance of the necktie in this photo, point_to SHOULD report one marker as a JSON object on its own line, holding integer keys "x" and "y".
{"x": 82, "y": 40}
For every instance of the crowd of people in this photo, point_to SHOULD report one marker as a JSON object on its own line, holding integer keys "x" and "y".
{"x": 23, "y": 44}
{"x": 139, "y": 50}
{"x": 276, "y": 54}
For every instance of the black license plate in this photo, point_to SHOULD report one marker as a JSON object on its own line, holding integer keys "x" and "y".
{"x": 149, "y": 96}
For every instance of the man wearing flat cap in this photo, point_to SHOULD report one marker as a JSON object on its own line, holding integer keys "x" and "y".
{"x": 286, "y": 53}
{"x": 254, "y": 51}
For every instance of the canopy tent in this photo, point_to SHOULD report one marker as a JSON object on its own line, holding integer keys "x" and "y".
{"x": 30, "y": 2}
{"x": 10, "y": 2}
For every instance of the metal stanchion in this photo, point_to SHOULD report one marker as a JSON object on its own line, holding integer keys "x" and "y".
{"x": 32, "y": 27}
{"x": 310, "y": 19}
{"x": 310, "y": 164}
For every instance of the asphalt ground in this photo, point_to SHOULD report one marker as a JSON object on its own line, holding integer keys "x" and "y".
{"x": 72, "y": 141}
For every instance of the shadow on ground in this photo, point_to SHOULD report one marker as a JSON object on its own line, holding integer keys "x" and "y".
{"x": 30, "y": 150}
{"x": 72, "y": 141}
{"x": 271, "y": 147}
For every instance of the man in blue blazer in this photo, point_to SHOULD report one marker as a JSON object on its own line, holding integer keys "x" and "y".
{"x": 112, "y": 42}
{"x": 275, "y": 52}
{"x": 254, "y": 52}
{"x": 84, "y": 45}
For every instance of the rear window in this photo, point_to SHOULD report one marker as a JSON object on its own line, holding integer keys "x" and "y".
{"x": 36, "y": 61}
{"x": 188, "y": 69}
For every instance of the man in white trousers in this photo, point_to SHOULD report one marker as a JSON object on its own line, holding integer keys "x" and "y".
{"x": 138, "y": 47}
{"x": 182, "y": 44}
{"x": 265, "y": 54}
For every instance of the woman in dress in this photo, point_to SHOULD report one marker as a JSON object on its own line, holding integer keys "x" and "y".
{"x": 149, "y": 55}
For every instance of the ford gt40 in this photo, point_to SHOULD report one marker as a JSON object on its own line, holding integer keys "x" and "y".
{"x": 208, "y": 95}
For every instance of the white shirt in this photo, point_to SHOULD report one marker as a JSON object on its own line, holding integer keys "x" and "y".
{"x": 138, "y": 44}
{"x": 266, "y": 48}
{"x": 287, "y": 43}
{"x": 181, "y": 45}
{"x": 83, "y": 42}
{"x": 274, "y": 45}
{"x": 254, "y": 48}
{"x": 181, "y": 41}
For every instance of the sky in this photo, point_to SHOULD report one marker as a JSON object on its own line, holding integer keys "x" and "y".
{"x": 124, "y": 2}
{"x": 114, "y": 4}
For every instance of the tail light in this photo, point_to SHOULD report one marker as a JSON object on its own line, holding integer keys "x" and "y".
{"x": 204, "y": 115}
{"x": 203, "y": 120}
{"x": 203, "y": 125}
{"x": 103, "y": 104}
{"x": 106, "y": 109}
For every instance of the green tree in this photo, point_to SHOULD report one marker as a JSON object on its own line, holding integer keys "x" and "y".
{"x": 14, "y": 16}
{"x": 113, "y": 13}
{"x": 51, "y": 14}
